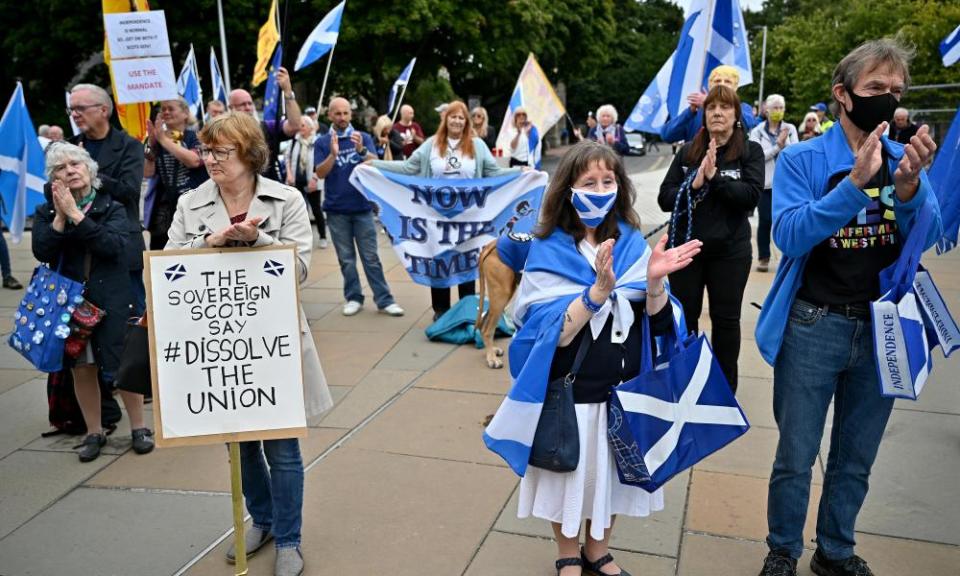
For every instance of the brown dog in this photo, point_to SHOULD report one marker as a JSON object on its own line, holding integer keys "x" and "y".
{"x": 501, "y": 281}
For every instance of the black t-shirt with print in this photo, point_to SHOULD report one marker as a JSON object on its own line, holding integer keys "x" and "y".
{"x": 845, "y": 268}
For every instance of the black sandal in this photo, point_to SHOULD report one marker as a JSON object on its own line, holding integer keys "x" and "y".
{"x": 564, "y": 562}
{"x": 593, "y": 568}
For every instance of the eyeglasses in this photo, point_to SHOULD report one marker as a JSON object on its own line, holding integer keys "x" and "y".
{"x": 81, "y": 109}
{"x": 219, "y": 154}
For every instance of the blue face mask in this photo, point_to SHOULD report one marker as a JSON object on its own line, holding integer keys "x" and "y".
{"x": 592, "y": 207}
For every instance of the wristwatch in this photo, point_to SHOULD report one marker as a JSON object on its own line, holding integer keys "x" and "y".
{"x": 363, "y": 151}
{"x": 292, "y": 96}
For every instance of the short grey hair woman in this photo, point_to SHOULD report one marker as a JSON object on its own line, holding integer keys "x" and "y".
{"x": 82, "y": 234}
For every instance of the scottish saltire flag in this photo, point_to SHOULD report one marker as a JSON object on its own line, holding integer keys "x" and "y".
{"x": 535, "y": 94}
{"x": 555, "y": 274}
{"x": 216, "y": 78}
{"x": 271, "y": 95}
{"x": 945, "y": 180}
{"x": 322, "y": 39}
{"x": 188, "y": 84}
{"x": 950, "y": 47}
{"x": 400, "y": 85}
{"x": 712, "y": 34}
{"x": 438, "y": 226}
{"x": 22, "y": 173}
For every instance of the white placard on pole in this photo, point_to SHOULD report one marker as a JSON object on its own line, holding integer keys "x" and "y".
{"x": 137, "y": 34}
{"x": 144, "y": 80}
{"x": 225, "y": 345}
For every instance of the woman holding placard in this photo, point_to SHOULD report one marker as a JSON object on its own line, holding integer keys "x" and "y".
{"x": 238, "y": 207}
{"x": 82, "y": 233}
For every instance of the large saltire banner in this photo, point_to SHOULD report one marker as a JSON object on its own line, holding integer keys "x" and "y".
{"x": 438, "y": 226}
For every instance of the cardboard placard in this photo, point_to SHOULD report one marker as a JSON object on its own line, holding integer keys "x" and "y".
{"x": 137, "y": 34}
{"x": 144, "y": 80}
{"x": 225, "y": 345}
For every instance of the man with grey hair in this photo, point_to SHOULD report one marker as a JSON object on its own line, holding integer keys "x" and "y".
{"x": 55, "y": 133}
{"x": 773, "y": 135}
{"x": 902, "y": 129}
{"x": 842, "y": 204}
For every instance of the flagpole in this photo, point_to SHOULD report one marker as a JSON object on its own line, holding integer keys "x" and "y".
{"x": 400, "y": 101}
{"x": 225, "y": 72}
{"x": 323, "y": 88}
{"x": 196, "y": 73}
{"x": 706, "y": 44}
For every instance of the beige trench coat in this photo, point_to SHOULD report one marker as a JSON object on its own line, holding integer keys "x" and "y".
{"x": 285, "y": 221}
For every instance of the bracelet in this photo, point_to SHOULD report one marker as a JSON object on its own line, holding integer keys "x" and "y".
{"x": 658, "y": 294}
{"x": 588, "y": 303}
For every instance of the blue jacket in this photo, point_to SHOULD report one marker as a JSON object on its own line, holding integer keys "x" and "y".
{"x": 805, "y": 214}
{"x": 620, "y": 143}
{"x": 418, "y": 164}
{"x": 686, "y": 125}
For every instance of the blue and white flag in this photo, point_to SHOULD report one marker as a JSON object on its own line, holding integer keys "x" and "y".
{"x": 400, "y": 85}
{"x": 22, "y": 165}
{"x": 945, "y": 180}
{"x": 216, "y": 78}
{"x": 188, "y": 84}
{"x": 438, "y": 226}
{"x": 322, "y": 39}
{"x": 271, "y": 94}
{"x": 712, "y": 34}
{"x": 555, "y": 274}
{"x": 950, "y": 47}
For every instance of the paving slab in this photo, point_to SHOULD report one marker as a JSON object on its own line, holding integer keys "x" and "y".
{"x": 347, "y": 357}
{"x": 707, "y": 555}
{"x": 10, "y": 358}
{"x": 755, "y": 396}
{"x": 110, "y": 532}
{"x": 657, "y": 534}
{"x": 750, "y": 455}
{"x": 465, "y": 370}
{"x": 373, "y": 513}
{"x": 117, "y": 443}
{"x": 414, "y": 352}
{"x": 914, "y": 492}
{"x": 314, "y": 311}
{"x": 434, "y": 424}
{"x": 23, "y": 415}
{"x": 321, "y": 296}
{"x": 32, "y": 481}
{"x": 195, "y": 468}
{"x": 10, "y": 379}
{"x": 369, "y": 319}
{"x": 367, "y": 396}
{"x": 736, "y": 506}
{"x": 752, "y": 365}
{"x": 511, "y": 554}
{"x": 941, "y": 393}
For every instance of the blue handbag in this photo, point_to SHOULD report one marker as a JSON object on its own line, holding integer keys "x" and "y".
{"x": 41, "y": 323}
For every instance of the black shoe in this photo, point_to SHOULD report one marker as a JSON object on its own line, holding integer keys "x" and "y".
{"x": 779, "y": 563}
{"x": 90, "y": 450}
{"x": 142, "y": 441}
{"x": 852, "y": 566}
{"x": 11, "y": 283}
{"x": 564, "y": 562}
{"x": 595, "y": 568}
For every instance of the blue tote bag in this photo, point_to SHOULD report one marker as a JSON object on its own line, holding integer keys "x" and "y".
{"x": 672, "y": 415}
{"x": 41, "y": 323}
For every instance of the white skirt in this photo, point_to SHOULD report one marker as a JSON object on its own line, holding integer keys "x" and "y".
{"x": 592, "y": 491}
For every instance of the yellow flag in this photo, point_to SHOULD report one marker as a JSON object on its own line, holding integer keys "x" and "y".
{"x": 133, "y": 117}
{"x": 266, "y": 42}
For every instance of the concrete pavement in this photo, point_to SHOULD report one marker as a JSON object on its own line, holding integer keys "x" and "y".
{"x": 399, "y": 482}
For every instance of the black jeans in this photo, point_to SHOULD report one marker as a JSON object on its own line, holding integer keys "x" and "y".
{"x": 315, "y": 200}
{"x": 440, "y": 297}
{"x": 765, "y": 215}
{"x": 725, "y": 280}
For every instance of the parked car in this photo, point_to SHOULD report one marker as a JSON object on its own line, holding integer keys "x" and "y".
{"x": 637, "y": 145}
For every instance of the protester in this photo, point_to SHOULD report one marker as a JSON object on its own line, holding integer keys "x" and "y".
{"x": 811, "y": 127}
{"x": 726, "y": 184}
{"x": 608, "y": 131}
{"x": 686, "y": 125}
{"x": 820, "y": 109}
{"x": 480, "y": 121}
{"x": 773, "y": 135}
{"x": 524, "y": 139}
{"x": 815, "y": 327}
{"x": 389, "y": 142}
{"x": 82, "y": 232}
{"x": 453, "y": 152}
{"x": 582, "y": 267}
{"x": 42, "y": 135}
{"x": 349, "y": 214}
{"x": 173, "y": 154}
{"x": 275, "y": 130}
{"x": 55, "y": 133}
{"x": 301, "y": 175}
{"x": 902, "y": 129}
{"x": 120, "y": 161}
{"x": 228, "y": 210}
{"x": 410, "y": 132}
{"x": 215, "y": 108}
{"x": 311, "y": 112}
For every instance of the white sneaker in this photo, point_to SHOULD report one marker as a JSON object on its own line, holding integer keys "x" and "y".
{"x": 323, "y": 243}
{"x": 393, "y": 310}
{"x": 351, "y": 308}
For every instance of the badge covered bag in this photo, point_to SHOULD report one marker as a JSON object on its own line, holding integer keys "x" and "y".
{"x": 42, "y": 320}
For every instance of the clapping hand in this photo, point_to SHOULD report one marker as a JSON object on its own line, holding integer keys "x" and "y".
{"x": 63, "y": 201}
{"x": 334, "y": 145}
{"x": 664, "y": 262}
{"x": 869, "y": 158}
{"x": 782, "y": 138}
{"x": 246, "y": 231}
{"x": 696, "y": 99}
{"x": 606, "y": 279}
{"x": 708, "y": 166}
{"x": 357, "y": 140}
{"x": 916, "y": 155}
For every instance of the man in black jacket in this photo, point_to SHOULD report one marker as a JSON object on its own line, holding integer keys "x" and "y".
{"x": 902, "y": 129}
{"x": 120, "y": 160}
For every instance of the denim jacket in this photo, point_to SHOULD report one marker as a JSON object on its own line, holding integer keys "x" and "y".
{"x": 804, "y": 214}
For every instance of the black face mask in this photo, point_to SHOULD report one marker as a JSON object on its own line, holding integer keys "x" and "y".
{"x": 869, "y": 111}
